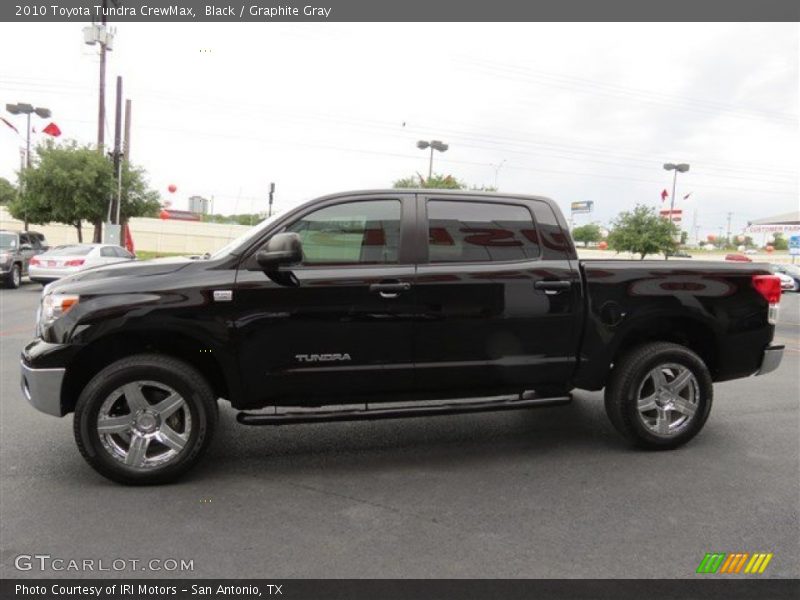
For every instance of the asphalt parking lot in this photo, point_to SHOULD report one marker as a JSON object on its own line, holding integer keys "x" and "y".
{"x": 542, "y": 493}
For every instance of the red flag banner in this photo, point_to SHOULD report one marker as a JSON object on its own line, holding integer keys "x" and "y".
{"x": 129, "y": 240}
{"x": 52, "y": 129}
{"x": 664, "y": 195}
{"x": 10, "y": 124}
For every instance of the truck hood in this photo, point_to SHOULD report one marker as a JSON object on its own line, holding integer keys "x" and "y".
{"x": 109, "y": 277}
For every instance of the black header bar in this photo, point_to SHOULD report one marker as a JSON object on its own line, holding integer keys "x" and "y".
{"x": 734, "y": 588}
{"x": 401, "y": 10}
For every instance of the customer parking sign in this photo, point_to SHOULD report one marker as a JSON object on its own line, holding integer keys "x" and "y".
{"x": 794, "y": 245}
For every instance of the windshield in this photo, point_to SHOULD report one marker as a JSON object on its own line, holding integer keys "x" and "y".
{"x": 242, "y": 240}
{"x": 8, "y": 240}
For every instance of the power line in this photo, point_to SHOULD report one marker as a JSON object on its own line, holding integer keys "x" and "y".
{"x": 566, "y": 151}
{"x": 516, "y": 72}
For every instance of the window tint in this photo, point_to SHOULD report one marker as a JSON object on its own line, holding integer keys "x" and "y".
{"x": 108, "y": 252}
{"x": 480, "y": 232}
{"x": 122, "y": 253}
{"x": 351, "y": 233}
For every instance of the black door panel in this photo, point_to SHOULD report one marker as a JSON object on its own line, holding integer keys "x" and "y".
{"x": 494, "y": 314}
{"x": 346, "y": 328}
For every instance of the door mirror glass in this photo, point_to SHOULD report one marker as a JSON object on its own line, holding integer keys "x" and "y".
{"x": 281, "y": 249}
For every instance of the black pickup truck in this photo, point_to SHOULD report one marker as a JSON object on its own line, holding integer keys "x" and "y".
{"x": 383, "y": 304}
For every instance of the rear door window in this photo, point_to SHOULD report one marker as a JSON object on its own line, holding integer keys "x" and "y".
{"x": 468, "y": 231}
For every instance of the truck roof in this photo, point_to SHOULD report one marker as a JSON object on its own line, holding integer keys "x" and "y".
{"x": 484, "y": 195}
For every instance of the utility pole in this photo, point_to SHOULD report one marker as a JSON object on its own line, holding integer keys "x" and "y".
{"x": 126, "y": 144}
{"x": 694, "y": 226}
{"x": 497, "y": 171}
{"x": 94, "y": 34}
{"x": 112, "y": 229}
{"x": 118, "y": 147}
{"x": 271, "y": 196}
{"x": 101, "y": 107}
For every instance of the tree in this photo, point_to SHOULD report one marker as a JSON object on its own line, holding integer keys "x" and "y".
{"x": 7, "y": 191}
{"x": 436, "y": 181}
{"x": 587, "y": 233}
{"x": 780, "y": 242}
{"x": 642, "y": 232}
{"x": 71, "y": 184}
{"x": 138, "y": 200}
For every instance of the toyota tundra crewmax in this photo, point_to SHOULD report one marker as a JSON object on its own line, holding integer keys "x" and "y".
{"x": 385, "y": 304}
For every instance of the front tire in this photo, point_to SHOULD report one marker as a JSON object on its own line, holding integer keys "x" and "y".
{"x": 146, "y": 419}
{"x": 14, "y": 277}
{"x": 659, "y": 395}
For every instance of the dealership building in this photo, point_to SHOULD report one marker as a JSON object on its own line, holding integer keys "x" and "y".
{"x": 786, "y": 223}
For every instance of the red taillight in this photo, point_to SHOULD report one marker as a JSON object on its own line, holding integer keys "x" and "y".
{"x": 79, "y": 261}
{"x": 768, "y": 286}
{"x": 34, "y": 261}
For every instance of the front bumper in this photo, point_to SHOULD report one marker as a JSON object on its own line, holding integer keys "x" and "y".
{"x": 42, "y": 388}
{"x": 773, "y": 356}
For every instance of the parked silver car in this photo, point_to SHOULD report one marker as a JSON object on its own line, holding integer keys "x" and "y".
{"x": 66, "y": 260}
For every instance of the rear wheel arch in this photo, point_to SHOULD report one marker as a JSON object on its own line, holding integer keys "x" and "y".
{"x": 689, "y": 332}
{"x": 102, "y": 352}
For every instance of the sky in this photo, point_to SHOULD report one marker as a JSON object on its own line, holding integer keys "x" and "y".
{"x": 575, "y": 111}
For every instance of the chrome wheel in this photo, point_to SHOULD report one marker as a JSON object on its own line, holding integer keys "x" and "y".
{"x": 668, "y": 399}
{"x": 144, "y": 424}
{"x": 16, "y": 277}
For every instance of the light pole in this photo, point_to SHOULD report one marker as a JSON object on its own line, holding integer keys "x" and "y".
{"x": 682, "y": 168}
{"x": 20, "y": 108}
{"x": 433, "y": 145}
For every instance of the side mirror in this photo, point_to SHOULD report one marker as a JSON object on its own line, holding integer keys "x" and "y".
{"x": 281, "y": 249}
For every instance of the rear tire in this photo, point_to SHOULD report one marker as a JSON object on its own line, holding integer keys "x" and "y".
{"x": 659, "y": 395}
{"x": 146, "y": 419}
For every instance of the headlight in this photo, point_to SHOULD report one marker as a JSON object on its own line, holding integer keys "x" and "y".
{"x": 55, "y": 306}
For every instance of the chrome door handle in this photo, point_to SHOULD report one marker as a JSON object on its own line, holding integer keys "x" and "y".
{"x": 552, "y": 287}
{"x": 390, "y": 290}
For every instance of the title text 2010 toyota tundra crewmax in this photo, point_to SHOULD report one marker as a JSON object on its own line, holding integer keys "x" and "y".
{"x": 383, "y": 304}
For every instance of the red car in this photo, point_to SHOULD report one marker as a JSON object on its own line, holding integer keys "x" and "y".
{"x": 739, "y": 257}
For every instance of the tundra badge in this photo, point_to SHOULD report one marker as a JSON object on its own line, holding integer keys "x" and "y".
{"x": 321, "y": 357}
